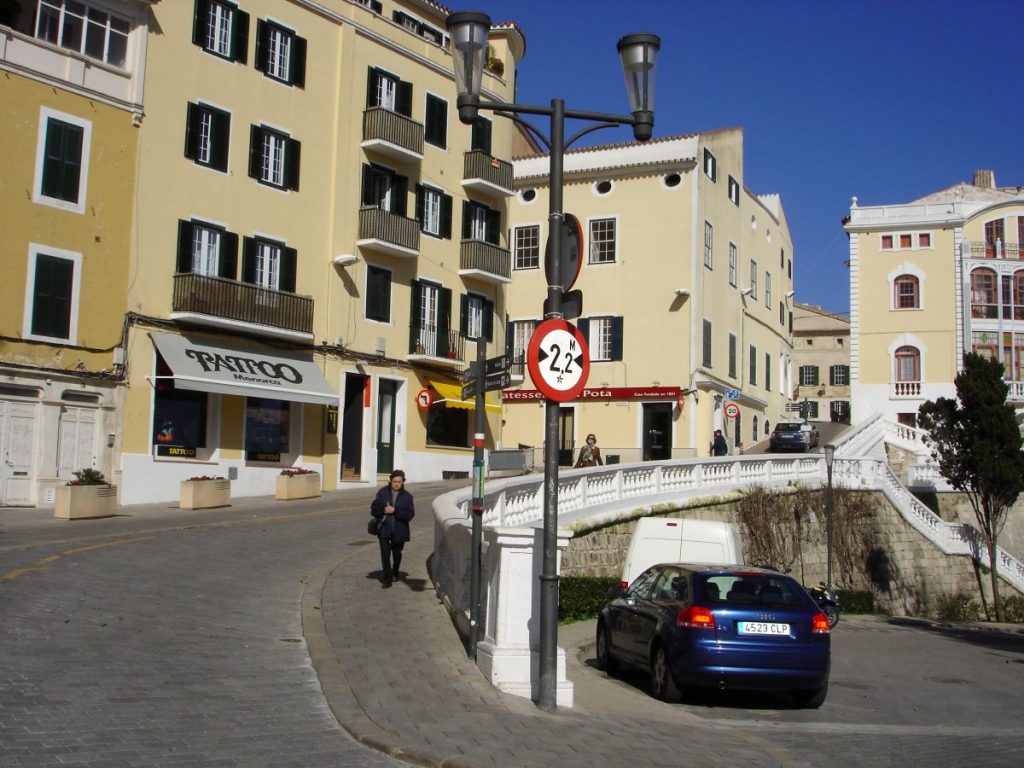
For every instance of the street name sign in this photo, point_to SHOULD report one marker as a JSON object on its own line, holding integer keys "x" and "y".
{"x": 491, "y": 383}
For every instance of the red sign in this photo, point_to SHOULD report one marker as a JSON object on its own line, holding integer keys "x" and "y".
{"x": 558, "y": 360}
{"x": 603, "y": 393}
{"x": 424, "y": 399}
{"x": 732, "y": 411}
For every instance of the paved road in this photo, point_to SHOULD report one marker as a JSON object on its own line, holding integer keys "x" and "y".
{"x": 168, "y": 638}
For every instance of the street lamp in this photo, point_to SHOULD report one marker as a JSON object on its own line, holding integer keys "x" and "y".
{"x": 638, "y": 52}
{"x": 830, "y": 454}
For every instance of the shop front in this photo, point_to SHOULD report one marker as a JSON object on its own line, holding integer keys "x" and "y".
{"x": 217, "y": 409}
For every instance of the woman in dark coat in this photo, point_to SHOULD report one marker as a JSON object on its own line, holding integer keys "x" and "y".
{"x": 393, "y": 508}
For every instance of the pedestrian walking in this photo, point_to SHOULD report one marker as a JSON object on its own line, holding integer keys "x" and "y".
{"x": 393, "y": 508}
{"x": 719, "y": 447}
{"x": 590, "y": 454}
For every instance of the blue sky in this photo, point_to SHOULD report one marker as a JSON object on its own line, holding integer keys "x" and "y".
{"x": 888, "y": 100}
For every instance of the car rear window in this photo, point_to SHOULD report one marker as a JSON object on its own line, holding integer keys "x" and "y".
{"x": 787, "y": 427}
{"x": 750, "y": 588}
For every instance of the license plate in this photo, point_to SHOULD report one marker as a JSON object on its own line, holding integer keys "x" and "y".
{"x": 762, "y": 628}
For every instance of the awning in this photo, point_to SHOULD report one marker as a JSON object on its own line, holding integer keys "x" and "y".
{"x": 451, "y": 395}
{"x": 205, "y": 367}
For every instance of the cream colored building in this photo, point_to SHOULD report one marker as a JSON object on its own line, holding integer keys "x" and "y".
{"x": 72, "y": 94}
{"x": 687, "y": 288}
{"x": 930, "y": 281}
{"x": 821, "y": 363}
{"x": 317, "y": 238}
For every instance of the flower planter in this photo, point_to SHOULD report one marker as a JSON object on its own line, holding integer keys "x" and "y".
{"x": 201, "y": 494}
{"x": 79, "y": 502}
{"x": 304, "y": 486}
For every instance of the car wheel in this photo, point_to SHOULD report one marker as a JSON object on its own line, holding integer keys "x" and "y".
{"x": 662, "y": 682}
{"x": 605, "y": 660}
{"x": 811, "y": 699}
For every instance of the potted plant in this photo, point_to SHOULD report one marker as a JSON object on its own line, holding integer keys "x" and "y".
{"x": 203, "y": 491}
{"x": 88, "y": 495}
{"x": 297, "y": 483}
{"x": 494, "y": 65}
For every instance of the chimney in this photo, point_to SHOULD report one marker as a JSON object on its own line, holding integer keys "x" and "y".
{"x": 985, "y": 179}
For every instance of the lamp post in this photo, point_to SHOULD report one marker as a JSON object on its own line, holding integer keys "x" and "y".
{"x": 469, "y": 31}
{"x": 830, "y": 453}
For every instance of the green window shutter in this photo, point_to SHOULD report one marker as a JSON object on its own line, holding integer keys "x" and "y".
{"x": 255, "y": 151}
{"x": 378, "y": 294}
{"x": 297, "y": 65}
{"x": 446, "y": 217}
{"x": 767, "y": 371}
{"x": 419, "y": 204}
{"x": 62, "y": 161}
{"x": 240, "y": 36}
{"x": 436, "y": 123}
{"x": 414, "y": 314}
{"x": 292, "y": 162}
{"x": 399, "y": 195}
{"x": 464, "y": 315}
{"x": 489, "y": 320}
{"x": 199, "y": 23}
{"x": 227, "y": 262}
{"x": 184, "y": 264}
{"x": 220, "y": 140}
{"x": 481, "y": 135}
{"x": 403, "y": 98}
{"x": 192, "y": 131}
{"x": 367, "y": 195}
{"x": 289, "y": 266}
{"x": 510, "y": 338}
{"x": 248, "y": 260}
{"x": 467, "y": 220}
{"x": 262, "y": 45}
{"x": 617, "y": 339}
{"x": 444, "y": 321}
{"x": 584, "y": 325}
{"x": 493, "y": 227}
{"x": 371, "y": 87}
{"x": 51, "y": 304}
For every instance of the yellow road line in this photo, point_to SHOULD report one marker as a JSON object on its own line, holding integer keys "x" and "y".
{"x": 42, "y": 565}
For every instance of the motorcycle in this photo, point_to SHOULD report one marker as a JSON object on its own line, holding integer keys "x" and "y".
{"x": 827, "y": 599}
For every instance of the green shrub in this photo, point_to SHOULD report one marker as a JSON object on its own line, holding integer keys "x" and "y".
{"x": 856, "y": 601}
{"x": 88, "y": 476}
{"x": 583, "y": 597}
{"x": 1013, "y": 609}
{"x": 958, "y": 607}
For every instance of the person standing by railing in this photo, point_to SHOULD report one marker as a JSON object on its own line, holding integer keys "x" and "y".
{"x": 590, "y": 454}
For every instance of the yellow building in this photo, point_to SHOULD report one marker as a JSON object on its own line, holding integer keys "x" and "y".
{"x": 821, "y": 361}
{"x": 317, "y": 238}
{"x": 686, "y": 279}
{"x": 931, "y": 280}
{"x": 71, "y": 90}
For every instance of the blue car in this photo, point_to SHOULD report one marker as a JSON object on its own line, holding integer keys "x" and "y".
{"x": 724, "y": 626}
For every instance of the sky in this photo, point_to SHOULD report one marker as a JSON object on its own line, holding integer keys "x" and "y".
{"x": 888, "y": 100}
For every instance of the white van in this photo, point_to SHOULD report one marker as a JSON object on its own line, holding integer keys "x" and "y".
{"x": 675, "y": 540}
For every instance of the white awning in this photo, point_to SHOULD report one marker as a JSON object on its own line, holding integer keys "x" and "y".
{"x": 245, "y": 372}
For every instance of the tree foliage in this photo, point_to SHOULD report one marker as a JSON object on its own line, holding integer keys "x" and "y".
{"x": 977, "y": 443}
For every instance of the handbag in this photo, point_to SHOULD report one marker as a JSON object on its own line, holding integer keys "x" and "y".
{"x": 373, "y": 526}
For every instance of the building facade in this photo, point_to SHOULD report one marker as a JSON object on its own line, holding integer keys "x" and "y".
{"x": 821, "y": 360}
{"x": 686, "y": 279}
{"x": 930, "y": 281}
{"x": 72, "y": 90}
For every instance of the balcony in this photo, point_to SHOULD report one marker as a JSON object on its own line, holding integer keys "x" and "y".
{"x": 387, "y": 232}
{"x": 393, "y": 135}
{"x": 486, "y": 175}
{"x": 485, "y": 261}
{"x": 998, "y": 250}
{"x": 427, "y": 344}
{"x": 223, "y": 303}
{"x": 905, "y": 390}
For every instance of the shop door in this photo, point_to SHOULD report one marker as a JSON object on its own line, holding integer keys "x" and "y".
{"x": 657, "y": 426}
{"x": 386, "y": 391}
{"x": 566, "y": 430}
{"x": 352, "y": 427}
{"x": 17, "y": 442}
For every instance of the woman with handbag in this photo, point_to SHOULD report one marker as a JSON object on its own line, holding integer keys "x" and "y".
{"x": 392, "y": 509}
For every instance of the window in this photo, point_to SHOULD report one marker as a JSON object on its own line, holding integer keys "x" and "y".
{"x": 373, "y": 5}
{"x": 812, "y": 410}
{"x": 767, "y": 372}
{"x": 782, "y": 258}
{"x": 435, "y": 129}
{"x": 603, "y": 187}
{"x": 602, "y": 241}
{"x": 839, "y": 410}
{"x": 734, "y": 191}
{"x": 709, "y": 241}
{"x": 753, "y": 366}
{"x": 448, "y": 426}
{"x": 983, "y": 294}
{"x": 732, "y": 264}
{"x": 706, "y": 345}
{"x": 434, "y": 211}
{"x": 604, "y": 337}
{"x": 476, "y": 317}
{"x": 268, "y": 264}
{"x": 732, "y": 356}
{"x": 378, "y": 294}
{"x": 207, "y": 132}
{"x": 481, "y": 135}
{"x": 808, "y": 375}
{"x": 995, "y": 238}
{"x": 179, "y": 415}
{"x": 81, "y": 28}
{"x": 386, "y": 90}
{"x": 839, "y": 375}
{"x": 908, "y": 364}
{"x": 280, "y": 53}
{"x": 520, "y": 334}
{"x": 886, "y": 242}
{"x": 527, "y": 247}
{"x": 207, "y": 249}
{"x": 753, "y": 279}
{"x": 221, "y": 29}
{"x": 62, "y": 160}
{"x": 267, "y": 427}
{"x": 767, "y": 289}
{"x": 385, "y": 189}
{"x": 710, "y": 165}
{"x": 905, "y": 241}
{"x": 51, "y": 306}
{"x": 907, "y": 293}
{"x": 480, "y": 222}
{"x": 431, "y": 320}
{"x": 417, "y": 27}
{"x": 782, "y": 313}
{"x": 274, "y": 158}
{"x": 924, "y": 240}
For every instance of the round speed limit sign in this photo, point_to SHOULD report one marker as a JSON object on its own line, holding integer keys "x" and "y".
{"x": 558, "y": 360}
{"x": 732, "y": 410}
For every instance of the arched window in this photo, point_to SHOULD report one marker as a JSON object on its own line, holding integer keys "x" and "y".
{"x": 908, "y": 372}
{"x": 907, "y": 292}
{"x": 984, "y": 301}
{"x": 753, "y": 437}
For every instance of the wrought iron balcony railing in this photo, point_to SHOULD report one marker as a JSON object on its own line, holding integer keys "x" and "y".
{"x": 485, "y": 260}
{"x": 486, "y": 173}
{"x": 428, "y": 340}
{"x": 242, "y": 302}
{"x": 998, "y": 250}
{"x": 377, "y": 224}
{"x": 386, "y": 127}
